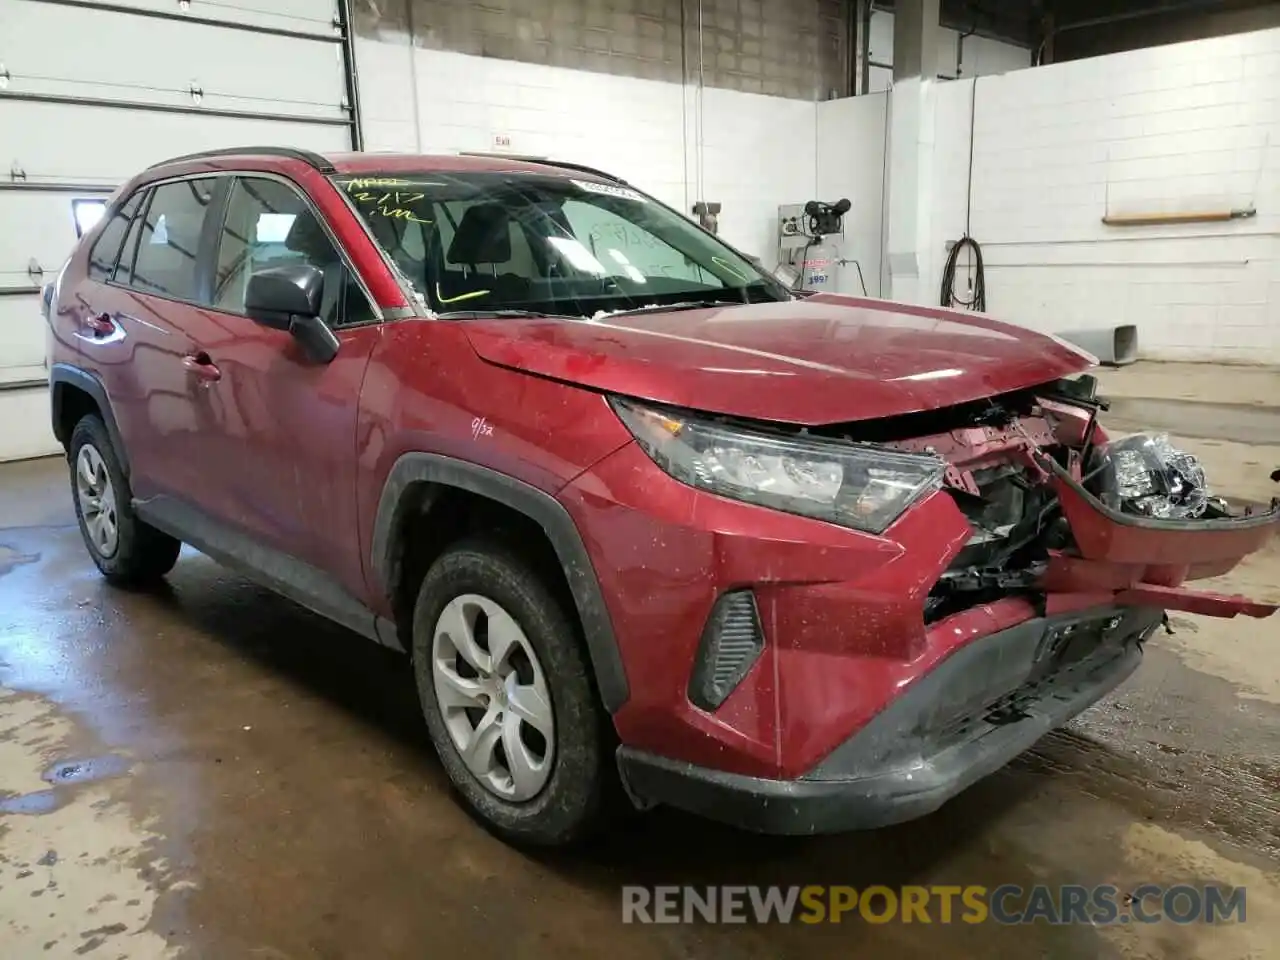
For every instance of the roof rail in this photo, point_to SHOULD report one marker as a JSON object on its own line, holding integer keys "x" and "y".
{"x": 306, "y": 156}
{"x": 545, "y": 161}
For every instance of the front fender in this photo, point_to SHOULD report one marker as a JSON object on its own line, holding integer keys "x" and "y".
{"x": 539, "y": 506}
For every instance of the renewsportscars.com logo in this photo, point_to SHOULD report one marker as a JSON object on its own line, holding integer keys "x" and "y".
{"x": 1007, "y": 904}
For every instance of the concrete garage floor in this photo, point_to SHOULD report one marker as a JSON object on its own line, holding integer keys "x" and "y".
{"x": 211, "y": 771}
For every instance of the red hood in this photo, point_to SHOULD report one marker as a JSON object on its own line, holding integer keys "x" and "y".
{"x": 825, "y": 359}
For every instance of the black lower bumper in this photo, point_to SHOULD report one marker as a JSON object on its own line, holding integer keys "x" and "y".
{"x": 977, "y": 710}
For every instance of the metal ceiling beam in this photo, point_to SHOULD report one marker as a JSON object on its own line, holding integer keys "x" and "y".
{"x": 1007, "y": 22}
{"x": 1174, "y": 7}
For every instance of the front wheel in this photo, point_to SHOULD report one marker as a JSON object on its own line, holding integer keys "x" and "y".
{"x": 127, "y": 550}
{"x": 507, "y": 697}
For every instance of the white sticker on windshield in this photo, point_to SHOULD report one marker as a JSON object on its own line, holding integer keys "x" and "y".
{"x": 608, "y": 189}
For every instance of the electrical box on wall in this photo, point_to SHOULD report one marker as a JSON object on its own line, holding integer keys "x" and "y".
{"x": 791, "y": 227}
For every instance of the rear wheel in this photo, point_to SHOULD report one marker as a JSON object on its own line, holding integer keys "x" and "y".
{"x": 128, "y": 551}
{"x": 507, "y": 697}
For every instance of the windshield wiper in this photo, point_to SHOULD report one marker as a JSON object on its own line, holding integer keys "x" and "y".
{"x": 505, "y": 314}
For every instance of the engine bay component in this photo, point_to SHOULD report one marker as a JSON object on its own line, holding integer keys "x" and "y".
{"x": 1147, "y": 476}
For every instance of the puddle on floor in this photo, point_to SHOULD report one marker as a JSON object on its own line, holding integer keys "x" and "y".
{"x": 80, "y": 771}
{"x": 11, "y": 558}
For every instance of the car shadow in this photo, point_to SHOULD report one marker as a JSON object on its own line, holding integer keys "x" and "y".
{"x": 374, "y": 687}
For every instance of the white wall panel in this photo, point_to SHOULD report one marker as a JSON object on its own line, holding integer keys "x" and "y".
{"x": 53, "y": 142}
{"x": 747, "y": 151}
{"x": 234, "y": 69}
{"x": 628, "y": 126}
{"x": 311, "y": 16}
{"x": 852, "y": 136}
{"x": 22, "y": 339}
{"x": 1183, "y": 127}
{"x": 35, "y": 226}
{"x": 980, "y": 57}
{"x": 759, "y": 152}
{"x": 24, "y": 424}
{"x": 880, "y": 39}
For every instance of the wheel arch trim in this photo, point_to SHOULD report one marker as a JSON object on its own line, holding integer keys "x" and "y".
{"x": 412, "y": 469}
{"x": 63, "y": 375}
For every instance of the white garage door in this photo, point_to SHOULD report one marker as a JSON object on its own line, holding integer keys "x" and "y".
{"x": 92, "y": 92}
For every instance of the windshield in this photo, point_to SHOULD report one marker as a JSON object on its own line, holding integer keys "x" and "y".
{"x": 487, "y": 242}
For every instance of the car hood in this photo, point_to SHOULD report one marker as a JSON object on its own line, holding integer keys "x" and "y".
{"x": 824, "y": 359}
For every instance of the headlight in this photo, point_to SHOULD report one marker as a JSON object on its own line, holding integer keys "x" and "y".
{"x": 855, "y": 485}
{"x": 1148, "y": 476}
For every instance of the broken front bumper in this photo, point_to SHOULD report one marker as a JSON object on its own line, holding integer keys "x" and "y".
{"x": 1144, "y": 561}
{"x": 988, "y": 702}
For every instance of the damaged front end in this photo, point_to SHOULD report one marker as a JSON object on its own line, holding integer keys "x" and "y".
{"x": 1066, "y": 517}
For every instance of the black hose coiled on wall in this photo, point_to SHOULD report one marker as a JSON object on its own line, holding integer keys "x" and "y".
{"x": 978, "y": 299}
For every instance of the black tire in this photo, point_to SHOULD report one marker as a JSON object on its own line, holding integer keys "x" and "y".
{"x": 141, "y": 554}
{"x": 572, "y": 804}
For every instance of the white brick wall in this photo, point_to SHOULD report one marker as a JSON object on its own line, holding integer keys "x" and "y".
{"x": 1193, "y": 126}
{"x": 851, "y": 163}
{"x": 1189, "y": 126}
{"x": 747, "y": 151}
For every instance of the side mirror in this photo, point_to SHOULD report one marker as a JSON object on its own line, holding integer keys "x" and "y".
{"x": 289, "y": 298}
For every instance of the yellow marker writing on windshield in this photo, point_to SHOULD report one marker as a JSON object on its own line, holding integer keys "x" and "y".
{"x": 399, "y": 213}
{"x": 462, "y": 296}
{"x": 741, "y": 276}
{"x": 373, "y": 183}
{"x": 390, "y": 204}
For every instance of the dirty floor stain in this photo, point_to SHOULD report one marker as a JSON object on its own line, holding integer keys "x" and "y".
{"x": 70, "y": 880}
{"x": 1150, "y": 850}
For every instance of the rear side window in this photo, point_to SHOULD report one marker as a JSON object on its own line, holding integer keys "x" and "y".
{"x": 169, "y": 239}
{"x": 124, "y": 269}
{"x": 268, "y": 224}
{"x": 106, "y": 249}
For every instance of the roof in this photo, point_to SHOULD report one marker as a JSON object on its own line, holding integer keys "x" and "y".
{"x": 418, "y": 163}
{"x": 373, "y": 163}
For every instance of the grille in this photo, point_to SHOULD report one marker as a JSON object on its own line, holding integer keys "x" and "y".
{"x": 731, "y": 642}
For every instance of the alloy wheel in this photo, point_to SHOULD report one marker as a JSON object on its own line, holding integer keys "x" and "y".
{"x": 97, "y": 497}
{"x": 493, "y": 697}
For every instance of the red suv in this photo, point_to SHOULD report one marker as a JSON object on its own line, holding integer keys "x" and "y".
{"x": 638, "y": 513}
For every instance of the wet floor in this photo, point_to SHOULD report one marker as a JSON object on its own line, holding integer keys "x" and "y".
{"x": 210, "y": 771}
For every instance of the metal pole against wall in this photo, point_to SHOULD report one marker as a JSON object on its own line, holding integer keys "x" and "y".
{"x": 864, "y": 44}
{"x": 852, "y": 48}
{"x": 346, "y": 25}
